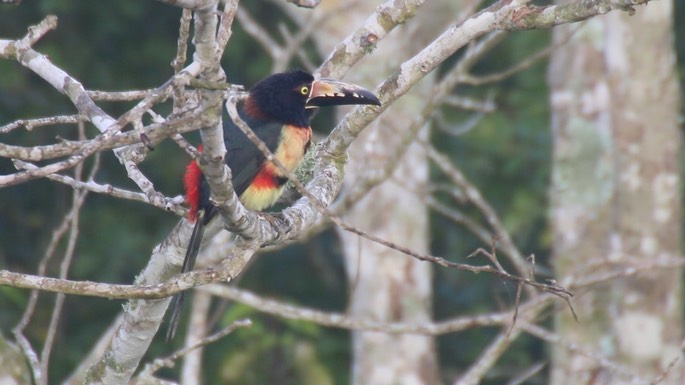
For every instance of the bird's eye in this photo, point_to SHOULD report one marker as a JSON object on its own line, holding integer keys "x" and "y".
{"x": 304, "y": 90}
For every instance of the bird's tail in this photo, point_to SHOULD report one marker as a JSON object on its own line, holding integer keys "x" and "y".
{"x": 188, "y": 263}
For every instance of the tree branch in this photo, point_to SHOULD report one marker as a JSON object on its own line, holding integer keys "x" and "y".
{"x": 344, "y": 321}
{"x": 503, "y": 15}
{"x": 364, "y": 40}
{"x": 155, "y": 132}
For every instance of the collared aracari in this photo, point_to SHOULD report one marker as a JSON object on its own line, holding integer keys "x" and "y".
{"x": 278, "y": 109}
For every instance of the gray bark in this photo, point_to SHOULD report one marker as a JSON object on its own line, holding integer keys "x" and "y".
{"x": 386, "y": 285}
{"x": 616, "y": 192}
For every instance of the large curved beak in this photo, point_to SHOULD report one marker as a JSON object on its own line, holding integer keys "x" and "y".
{"x": 331, "y": 92}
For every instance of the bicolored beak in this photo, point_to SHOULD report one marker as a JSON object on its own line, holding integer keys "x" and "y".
{"x": 331, "y": 92}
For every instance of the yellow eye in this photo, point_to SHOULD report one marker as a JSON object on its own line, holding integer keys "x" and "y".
{"x": 304, "y": 90}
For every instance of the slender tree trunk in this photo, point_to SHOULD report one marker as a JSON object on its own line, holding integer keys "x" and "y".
{"x": 616, "y": 192}
{"x": 385, "y": 284}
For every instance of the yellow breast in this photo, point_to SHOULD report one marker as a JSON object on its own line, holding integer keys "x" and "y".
{"x": 294, "y": 143}
{"x": 290, "y": 152}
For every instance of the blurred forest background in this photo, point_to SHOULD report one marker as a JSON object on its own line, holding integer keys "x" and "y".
{"x": 129, "y": 44}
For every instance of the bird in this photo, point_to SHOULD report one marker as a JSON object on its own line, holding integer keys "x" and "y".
{"x": 278, "y": 109}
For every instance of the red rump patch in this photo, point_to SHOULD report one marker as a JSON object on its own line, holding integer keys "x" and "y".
{"x": 264, "y": 179}
{"x": 191, "y": 182}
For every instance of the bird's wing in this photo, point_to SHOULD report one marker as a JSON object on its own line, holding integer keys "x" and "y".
{"x": 243, "y": 156}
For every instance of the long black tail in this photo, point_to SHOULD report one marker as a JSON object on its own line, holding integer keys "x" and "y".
{"x": 188, "y": 263}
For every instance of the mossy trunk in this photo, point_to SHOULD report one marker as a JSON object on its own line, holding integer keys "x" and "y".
{"x": 616, "y": 193}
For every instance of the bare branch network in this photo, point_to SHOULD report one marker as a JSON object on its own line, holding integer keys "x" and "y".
{"x": 198, "y": 91}
{"x": 505, "y": 17}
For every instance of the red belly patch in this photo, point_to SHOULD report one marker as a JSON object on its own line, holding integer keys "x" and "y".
{"x": 265, "y": 179}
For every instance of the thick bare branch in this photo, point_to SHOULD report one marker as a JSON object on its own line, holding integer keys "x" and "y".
{"x": 111, "y": 291}
{"x": 363, "y": 41}
{"x": 503, "y": 15}
{"x": 195, "y": 5}
{"x": 143, "y": 317}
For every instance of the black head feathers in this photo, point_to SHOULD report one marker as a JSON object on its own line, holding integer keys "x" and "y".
{"x": 281, "y": 97}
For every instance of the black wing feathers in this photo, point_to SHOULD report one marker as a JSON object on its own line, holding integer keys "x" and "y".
{"x": 242, "y": 156}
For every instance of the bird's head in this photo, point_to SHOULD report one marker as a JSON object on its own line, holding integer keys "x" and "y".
{"x": 287, "y": 96}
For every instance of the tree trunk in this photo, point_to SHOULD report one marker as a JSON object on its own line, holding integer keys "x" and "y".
{"x": 615, "y": 198}
{"x": 387, "y": 285}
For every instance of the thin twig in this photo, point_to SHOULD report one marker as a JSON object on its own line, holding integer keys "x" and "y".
{"x": 598, "y": 358}
{"x": 344, "y": 321}
{"x": 457, "y": 217}
{"x": 475, "y": 197}
{"x": 168, "y": 362}
{"x": 440, "y": 92}
{"x": 677, "y": 359}
{"x": 78, "y": 199}
{"x": 31, "y": 356}
{"x": 477, "y": 370}
{"x": 524, "y": 64}
{"x": 170, "y": 204}
{"x": 216, "y": 274}
{"x": 30, "y": 124}
{"x": 258, "y": 33}
{"x": 527, "y": 374}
